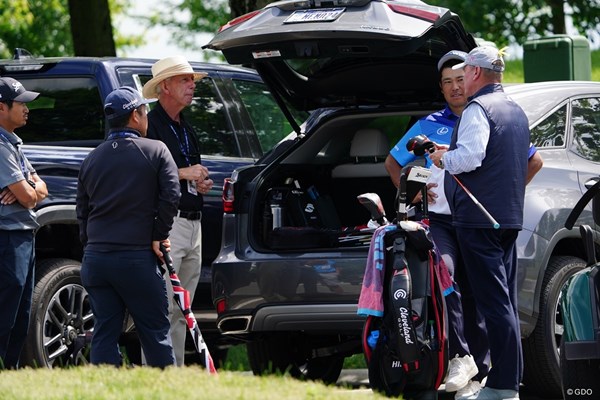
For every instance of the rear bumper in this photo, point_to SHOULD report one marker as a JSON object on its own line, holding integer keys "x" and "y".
{"x": 339, "y": 318}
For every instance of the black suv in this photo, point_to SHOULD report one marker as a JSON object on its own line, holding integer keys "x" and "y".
{"x": 236, "y": 120}
{"x": 293, "y": 255}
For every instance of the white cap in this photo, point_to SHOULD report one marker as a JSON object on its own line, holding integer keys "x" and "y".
{"x": 485, "y": 57}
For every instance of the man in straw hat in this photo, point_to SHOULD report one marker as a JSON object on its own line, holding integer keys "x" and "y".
{"x": 173, "y": 83}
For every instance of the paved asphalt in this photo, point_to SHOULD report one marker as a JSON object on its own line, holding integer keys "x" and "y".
{"x": 358, "y": 379}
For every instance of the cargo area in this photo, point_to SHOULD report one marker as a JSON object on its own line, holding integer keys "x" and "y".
{"x": 310, "y": 200}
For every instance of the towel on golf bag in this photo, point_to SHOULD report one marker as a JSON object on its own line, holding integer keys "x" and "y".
{"x": 370, "y": 301}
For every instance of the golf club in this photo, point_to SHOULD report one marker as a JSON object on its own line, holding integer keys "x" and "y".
{"x": 420, "y": 144}
{"x": 182, "y": 297}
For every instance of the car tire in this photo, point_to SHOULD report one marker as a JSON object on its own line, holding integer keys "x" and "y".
{"x": 579, "y": 377}
{"x": 61, "y": 323}
{"x": 540, "y": 349}
{"x": 280, "y": 353}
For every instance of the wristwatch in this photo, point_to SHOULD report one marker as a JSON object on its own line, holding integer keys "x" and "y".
{"x": 441, "y": 163}
{"x": 31, "y": 183}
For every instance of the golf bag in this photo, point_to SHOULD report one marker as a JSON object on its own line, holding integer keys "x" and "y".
{"x": 404, "y": 336}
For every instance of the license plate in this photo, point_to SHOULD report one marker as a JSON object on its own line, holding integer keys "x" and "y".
{"x": 318, "y": 15}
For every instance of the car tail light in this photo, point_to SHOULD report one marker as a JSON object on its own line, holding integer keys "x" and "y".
{"x": 228, "y": 195}
{"x": 414, "y": 12}
{"x": 220, "y": 305}
{"x": 239, "y": 20}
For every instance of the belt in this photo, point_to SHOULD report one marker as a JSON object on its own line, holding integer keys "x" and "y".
{"x": 191, "y": 215}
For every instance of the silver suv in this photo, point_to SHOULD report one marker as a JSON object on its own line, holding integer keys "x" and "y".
{"x": 289, "y": 273}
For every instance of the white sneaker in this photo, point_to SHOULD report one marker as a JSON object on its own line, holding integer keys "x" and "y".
{"x": 488, "y": 393}
{"x": 472, "y": 388}
{"x": 460, "y": 372}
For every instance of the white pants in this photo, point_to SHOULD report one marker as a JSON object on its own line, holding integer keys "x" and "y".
{"x": 186, "y": 252}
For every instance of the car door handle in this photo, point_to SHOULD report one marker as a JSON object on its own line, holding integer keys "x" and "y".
{"x": 591, "y": 182}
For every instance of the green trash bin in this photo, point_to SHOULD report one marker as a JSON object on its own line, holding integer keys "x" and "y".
{"x": 558, "y": 57}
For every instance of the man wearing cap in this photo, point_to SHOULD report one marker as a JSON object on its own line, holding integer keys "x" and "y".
{"x": 462, "y": 367}
{"x": 173, "y": 83}
{"x": 21, "y": 190}
{"x": 127, "y": 196}
{"x": 488, "y": 153}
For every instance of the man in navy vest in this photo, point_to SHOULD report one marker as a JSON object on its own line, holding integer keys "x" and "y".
{"x": 488, "y": 154}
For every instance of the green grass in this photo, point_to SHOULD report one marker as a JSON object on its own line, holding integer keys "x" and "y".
{"x": 237, "y": 360}
{"x": 107, "y": 383}
{"x": 233, "y": 382}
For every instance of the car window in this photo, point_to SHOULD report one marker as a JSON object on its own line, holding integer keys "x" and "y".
{"x": 269, "y": 122}
{"x": 585, "y": 123}
{"x": 550, "y": 132}
{"x": 207, "y": 115}
{"x": 69, "y": 111}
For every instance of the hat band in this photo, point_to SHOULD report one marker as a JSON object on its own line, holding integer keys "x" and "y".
{"x": 176, "y": 70}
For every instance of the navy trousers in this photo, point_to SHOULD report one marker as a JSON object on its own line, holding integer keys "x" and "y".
{"x": 467, "y": 333}
{"x": 17, "y": 260}
{"x": 443, "y": 235}
{"x": 130, "y": 280}
{"x": 490, "y": 260}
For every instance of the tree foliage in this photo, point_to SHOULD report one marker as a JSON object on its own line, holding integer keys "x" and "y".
{"x": 200, "y": 16}
{"x": 40, "y": 26}
{"x": 500, "y": 21}
{"x": 43, "y": 27}
{"x": 189, "y": 17}
{"x": 515, "y": 21}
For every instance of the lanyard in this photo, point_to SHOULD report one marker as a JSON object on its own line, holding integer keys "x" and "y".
{"x": 19, "y": 154}
{"x": 184, "y": 150}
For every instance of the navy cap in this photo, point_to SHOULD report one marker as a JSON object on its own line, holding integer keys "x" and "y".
{"x": 12, "y": 89}
{"x": 123, "y": 101}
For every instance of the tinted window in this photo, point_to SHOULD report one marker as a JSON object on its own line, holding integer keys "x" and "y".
{"x": 68, "y": 111}
{"x": 551, "y": 131}
{"x": 585, "y": 121}
{"x": 269, "y": 122}
{"x": 207, "y": 115}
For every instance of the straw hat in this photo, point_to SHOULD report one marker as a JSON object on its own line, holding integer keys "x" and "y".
{"x": 166, "y": 68}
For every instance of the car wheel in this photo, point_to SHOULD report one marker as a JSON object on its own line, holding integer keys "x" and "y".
{"x": 281, "y": 353}
{"x": 61, "y": 323}
{"x": 579, "y": 377}
{"x": 540, "y": 350}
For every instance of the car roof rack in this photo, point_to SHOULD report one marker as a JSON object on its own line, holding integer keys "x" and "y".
{"x": 21, "y": 54}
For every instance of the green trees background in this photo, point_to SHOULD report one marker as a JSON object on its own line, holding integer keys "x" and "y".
{"x": 86, "y": 27}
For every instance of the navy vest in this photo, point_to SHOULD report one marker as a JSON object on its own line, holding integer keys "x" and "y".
{"x": 499, "y": 183}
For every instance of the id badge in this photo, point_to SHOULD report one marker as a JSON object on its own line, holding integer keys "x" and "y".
{"x": 191, "y": 186}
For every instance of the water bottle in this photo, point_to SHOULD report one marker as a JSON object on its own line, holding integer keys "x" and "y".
{"x": 372, "y": 339}
{"x": 276, "y": 212}
{"x": 432, "y": 338}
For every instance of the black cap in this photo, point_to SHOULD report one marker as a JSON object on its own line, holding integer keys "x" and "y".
{"x": 12, "y": 89}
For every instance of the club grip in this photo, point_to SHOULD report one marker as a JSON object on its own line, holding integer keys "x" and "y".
{"x": 167, "y": 257}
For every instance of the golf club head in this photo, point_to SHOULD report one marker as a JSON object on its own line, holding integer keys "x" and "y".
{"x": 373, "y": 204}
{"x": 419, "y": 145}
